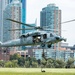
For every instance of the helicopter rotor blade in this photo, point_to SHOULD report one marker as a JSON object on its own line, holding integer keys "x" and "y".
{"x": 20, "y": 29}
{"x": 20, "y": 22}
{"x": 29, "y": 25}
{"x": 33, "y": 27}
{"x": 68, "y": 21}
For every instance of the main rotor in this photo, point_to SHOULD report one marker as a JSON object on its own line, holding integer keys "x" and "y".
{"x": 34, "y": 27}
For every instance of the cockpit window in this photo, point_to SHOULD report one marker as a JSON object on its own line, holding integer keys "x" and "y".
{"x": 23, "y": 36}
{"x": 51, "y": 35}
{"x": 45, "y": 36}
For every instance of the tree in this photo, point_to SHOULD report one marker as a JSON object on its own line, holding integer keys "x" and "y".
{"x": 50, "y": 63}
{"x": 21, "y": 61}
{"x": 39, "y": 61}
{"x": 15, "y": 63}
{"x": 34, "y": 64}
{"x": 60, "y": 64}
{"x": 27, "y": 64}
{"x": 70, "y": 63}
{"x": 11, "y": 63}
{"x": 15, "y": 56}
{"x": 2, "y": 63}
{"x": 43, "y": 62}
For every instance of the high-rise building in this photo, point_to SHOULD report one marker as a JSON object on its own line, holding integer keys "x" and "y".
{"x": 50, "y": 18}
{"x": 3, "y": 4}
{"x": 10, "y": 1}
{"x": 23, "y": 15}
{"x": 1, "y": 19}
{"x": 13, "y": 11}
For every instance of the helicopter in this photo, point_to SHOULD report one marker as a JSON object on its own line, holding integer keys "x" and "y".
{"x": 37, "y": 37}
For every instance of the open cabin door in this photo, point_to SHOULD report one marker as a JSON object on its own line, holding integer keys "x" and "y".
{"x": 36, "y": 38}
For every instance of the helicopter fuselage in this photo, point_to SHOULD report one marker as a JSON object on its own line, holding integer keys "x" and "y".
{"x": 34, "y": 38}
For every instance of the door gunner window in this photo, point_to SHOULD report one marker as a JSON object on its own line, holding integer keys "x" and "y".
{"x": 36, "y": 39}
{"x": 44, "y": 36}
{"x": 51, "y": 35}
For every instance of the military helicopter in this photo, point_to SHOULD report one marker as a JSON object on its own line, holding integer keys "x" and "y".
{"x": 37, "y": 37}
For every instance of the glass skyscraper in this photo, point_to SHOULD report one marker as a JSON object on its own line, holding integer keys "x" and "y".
{"x": 7, "y": 25}
{"x": 23, "y": 14}
{"x": 50, "y": 18}
{"x": 0, "y": 19}
{"x": 3, "y": 4}
{"x": 23, "y": 18}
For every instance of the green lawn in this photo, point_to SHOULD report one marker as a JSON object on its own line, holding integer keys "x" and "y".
{"x": 36, "y": 71}
{"x": 10, "y": 73}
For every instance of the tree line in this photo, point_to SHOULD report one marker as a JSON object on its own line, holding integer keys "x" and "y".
{"x": 30, "y": 62}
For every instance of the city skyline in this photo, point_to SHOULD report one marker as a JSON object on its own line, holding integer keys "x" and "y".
{"x": 67, "y": 9}
{"x": 34, "y": 11}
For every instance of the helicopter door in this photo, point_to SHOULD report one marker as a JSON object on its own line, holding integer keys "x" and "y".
{"x": 37, "y": 39}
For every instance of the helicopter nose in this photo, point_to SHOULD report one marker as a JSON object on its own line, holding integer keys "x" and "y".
{"x": 60, "y": 38}
{"x": 57, "y": 38}
{"x": 63, "y": 39}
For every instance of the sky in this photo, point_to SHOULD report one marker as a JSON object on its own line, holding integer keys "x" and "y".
{"x": 68, "y": 13}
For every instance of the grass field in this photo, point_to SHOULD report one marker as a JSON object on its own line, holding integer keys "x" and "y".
{"x": 36, "y": 71}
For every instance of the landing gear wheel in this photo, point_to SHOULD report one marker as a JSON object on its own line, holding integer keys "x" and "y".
{"x": 49, "y": 45}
